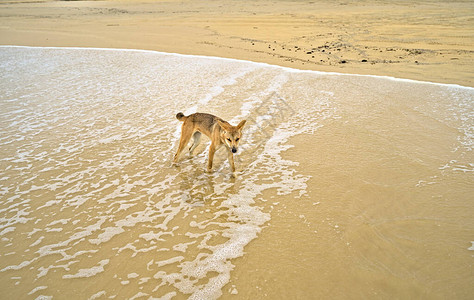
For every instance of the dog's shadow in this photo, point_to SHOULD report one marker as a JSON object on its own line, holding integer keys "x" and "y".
{"x": 199, "y": 187}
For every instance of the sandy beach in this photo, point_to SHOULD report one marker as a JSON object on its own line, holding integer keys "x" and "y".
{"x": 422, "y": 40}
{"x": 347, "y": 186}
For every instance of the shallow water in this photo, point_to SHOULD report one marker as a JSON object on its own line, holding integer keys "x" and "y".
{"x": 347, "y": 186}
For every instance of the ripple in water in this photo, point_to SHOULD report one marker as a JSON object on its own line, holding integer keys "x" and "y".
{"x": 89, "y": 197}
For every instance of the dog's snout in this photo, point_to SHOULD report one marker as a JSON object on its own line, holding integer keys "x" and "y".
{"x": 234, "y": 150}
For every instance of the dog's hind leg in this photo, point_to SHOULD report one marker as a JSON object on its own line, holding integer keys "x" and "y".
{"x": 186, "y": 132}
{"x": 212, "y": 150}
{"x": 197, "y": 140}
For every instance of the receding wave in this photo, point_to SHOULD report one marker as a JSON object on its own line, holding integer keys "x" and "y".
{"x": 89, "y": 195}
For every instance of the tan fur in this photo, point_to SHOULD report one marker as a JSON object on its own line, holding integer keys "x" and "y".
{"x": 219, "y": 131}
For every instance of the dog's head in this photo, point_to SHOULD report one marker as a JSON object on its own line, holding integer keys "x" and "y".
{"x": 231, "y": 135}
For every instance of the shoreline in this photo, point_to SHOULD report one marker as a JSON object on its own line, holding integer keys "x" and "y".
{"x": 289, "y": 69}
{"x": 364, "y": 37}
{"x": 346, "y": 174}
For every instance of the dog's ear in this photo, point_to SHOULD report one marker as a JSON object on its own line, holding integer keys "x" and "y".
{"x": 241, "y": 124}
{"x": 223, "y": 125}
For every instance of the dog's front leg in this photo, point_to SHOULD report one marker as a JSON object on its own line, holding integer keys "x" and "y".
{"x": 212, "y": 150}
{"x": 230, "y": 157}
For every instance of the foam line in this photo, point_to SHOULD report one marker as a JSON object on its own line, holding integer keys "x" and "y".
{"x": 292, "y": 70}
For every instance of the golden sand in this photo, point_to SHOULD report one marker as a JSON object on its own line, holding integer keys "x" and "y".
{"x": 426, "y": 40}
{"x": 388, "y": 206}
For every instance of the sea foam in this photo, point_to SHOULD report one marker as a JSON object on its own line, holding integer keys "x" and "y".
{"x": 86, "y": 164}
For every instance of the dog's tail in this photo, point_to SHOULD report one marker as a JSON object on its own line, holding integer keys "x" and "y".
{"x": 180, "y": 116}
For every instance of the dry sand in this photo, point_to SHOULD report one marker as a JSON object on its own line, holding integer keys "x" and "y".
{"x": 427, "y": 40}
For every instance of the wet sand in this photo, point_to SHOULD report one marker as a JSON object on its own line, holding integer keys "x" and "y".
{"x": 374, "y": 198}
{"x": 426, "y": 40}
{"x": 380, "y": 221}
{"x": 347, "y": 186}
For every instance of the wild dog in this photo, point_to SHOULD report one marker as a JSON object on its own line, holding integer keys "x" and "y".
{"x": 219, "y": 131}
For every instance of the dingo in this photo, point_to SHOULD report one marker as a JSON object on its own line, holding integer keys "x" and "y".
{"x": 219, "y": 131}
